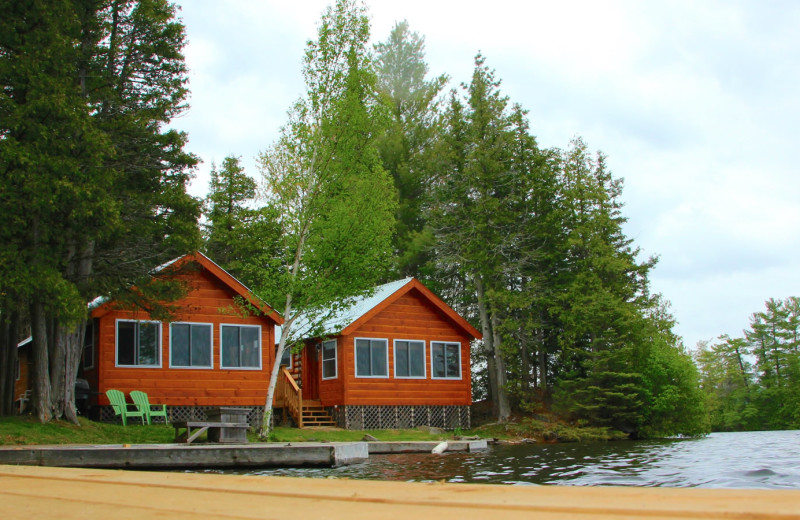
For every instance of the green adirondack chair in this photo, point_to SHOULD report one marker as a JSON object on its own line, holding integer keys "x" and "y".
{"x": 117, "y": 400}
{"x": 142, "y": 402}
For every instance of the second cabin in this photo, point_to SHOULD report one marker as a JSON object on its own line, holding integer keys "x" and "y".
{"x": 399, "y": 358}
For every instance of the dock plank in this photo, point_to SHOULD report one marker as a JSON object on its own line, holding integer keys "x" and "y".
{"x": 36, "y": 492}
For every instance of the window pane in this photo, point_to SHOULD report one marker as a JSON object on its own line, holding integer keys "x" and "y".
{"x": 329, "y": 359}
{"x": 362, "y": 358}
{"x": 250, "y": 347}
{"x": 88, "y": 346}
{"x": 230, "y": 346}
{"x": 378, "y": 358}
{"x": 437, "y": 360}
{"x": 453, "y": 360}
{"x": 329, "y": 350}
{"x": 201, "y": 346}
{"x": 286, "y": 359}
{"x": 180, "y": 344}
{"x": 126, "y": 343}
{"x": 416, "y": 359}
{"x": 401, "y": 358}
{"x": 148, "y": 343}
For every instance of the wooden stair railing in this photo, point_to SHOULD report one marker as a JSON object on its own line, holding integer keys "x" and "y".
{"x": 291, "y": 395}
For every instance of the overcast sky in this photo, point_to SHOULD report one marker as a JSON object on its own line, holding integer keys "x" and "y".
{"x": 695, "y": 103}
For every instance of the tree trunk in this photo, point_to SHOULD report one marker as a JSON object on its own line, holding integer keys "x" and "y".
{"x": 266, "y": 423}
{"x": 57, "y": 369}
{"x": 488, "y": 345}
{"x": 741, "y": 366}
{"x": 543, "y": 381}
{"x": 503, "y": 406}
{"x": 41, "y": 364}
{"x": 8, "y": 362}
{"x": 525, "y": 360}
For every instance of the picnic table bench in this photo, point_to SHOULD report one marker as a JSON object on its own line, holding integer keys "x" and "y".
{"x": 216, "y": 431}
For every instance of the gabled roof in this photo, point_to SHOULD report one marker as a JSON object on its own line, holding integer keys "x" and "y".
{"x": 362, "y": 309}
{"x": 101, "y": 305}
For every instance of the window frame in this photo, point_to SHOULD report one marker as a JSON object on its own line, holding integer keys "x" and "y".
{"x": 90, "y": 328}
{"x": 158, "y": 343}
{"x": 424, "y": 359}
{"x": 286, "y": 350}
{"x": 355, "y": 358}
{"x": 210, "y": 366}
{"x": 460, "y": 360}
{"x": 222, "y": 346}
{"x": 335, "y": 359}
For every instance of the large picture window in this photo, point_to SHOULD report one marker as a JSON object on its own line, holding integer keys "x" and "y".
{"x": 409, "y": 359}
{"x": 329, "y": 370}
{"x": 190, "y": 345}
{"x": 372, "y": 359}
{"x": 446, "y": 360}
{"x": 241, "y": 346}
{"x": 138, "y": 343}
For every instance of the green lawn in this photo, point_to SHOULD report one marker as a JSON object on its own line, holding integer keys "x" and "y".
{"x": 26, "y": 430}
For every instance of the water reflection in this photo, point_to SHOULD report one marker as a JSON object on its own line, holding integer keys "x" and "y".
{"x": 723, "y": 460}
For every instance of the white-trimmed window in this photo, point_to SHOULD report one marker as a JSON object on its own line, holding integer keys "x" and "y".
{"x": 241, "y": 346}
{"x": 138, "y": 343}
{"x": 445, "y": 360}
{"x": 190, "y": 345}
{"x": 372, "y": 357}
{"x": 329, "y": 365}
{"x": 409, "y": 359}
{"x": 88, "y": 347}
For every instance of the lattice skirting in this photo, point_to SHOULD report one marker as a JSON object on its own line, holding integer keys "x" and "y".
{"x": 392, "y": 417}
{"x": 185, "y": 413}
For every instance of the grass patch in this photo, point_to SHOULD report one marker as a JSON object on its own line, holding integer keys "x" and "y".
{"x": 27, "y": 430}
{"x": 547, "y": 431}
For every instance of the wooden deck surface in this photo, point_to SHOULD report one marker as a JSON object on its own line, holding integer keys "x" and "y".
{"x": 66, "y": 493}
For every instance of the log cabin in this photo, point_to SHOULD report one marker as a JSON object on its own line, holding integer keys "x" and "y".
{"x": 209, "y": 354}
{"x": 397, "y": 358}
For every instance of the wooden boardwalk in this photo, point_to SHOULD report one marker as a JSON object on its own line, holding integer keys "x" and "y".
{"x": 67, "y": 493}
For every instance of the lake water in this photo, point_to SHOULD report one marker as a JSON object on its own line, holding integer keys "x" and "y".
{"x": 720, "y": 460}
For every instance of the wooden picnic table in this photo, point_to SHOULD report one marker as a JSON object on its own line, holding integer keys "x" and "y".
{"x": 193, "y": 429}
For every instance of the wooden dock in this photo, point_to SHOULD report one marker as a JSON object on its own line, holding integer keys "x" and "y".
{"x": 178, "y": 456}
{"x": 70, "y": 493}
{"x": 215, "y": 455}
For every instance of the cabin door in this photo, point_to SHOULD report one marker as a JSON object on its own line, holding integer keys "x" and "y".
{"x": 311, "y": 374}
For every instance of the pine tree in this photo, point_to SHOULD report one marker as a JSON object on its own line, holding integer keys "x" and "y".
{"x": 407, "y": 143}
{"x": 88, "y": 88}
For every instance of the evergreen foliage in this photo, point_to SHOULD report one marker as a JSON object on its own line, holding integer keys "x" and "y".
{"x": 375, "y": 174}
{"x": 752, "y": 382}
{"x": 94, "y": 185}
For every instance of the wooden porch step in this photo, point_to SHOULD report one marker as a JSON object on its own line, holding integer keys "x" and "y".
{"x": 314, "y": 414}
